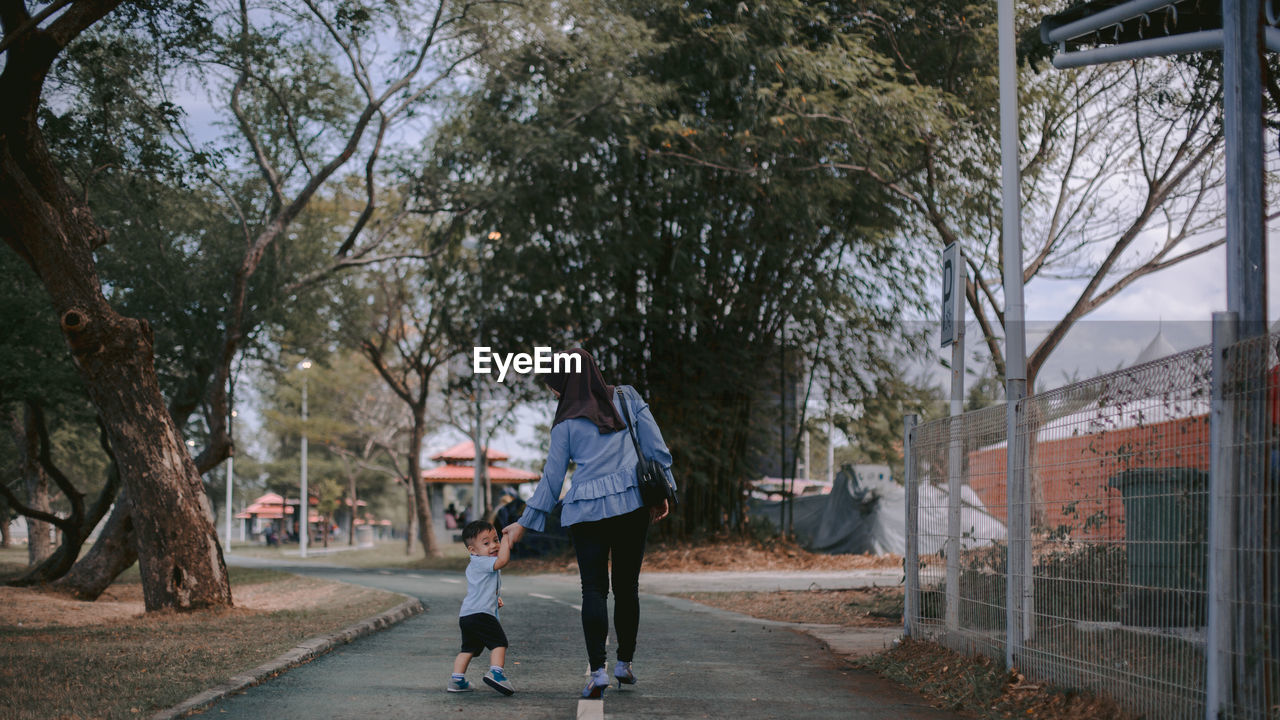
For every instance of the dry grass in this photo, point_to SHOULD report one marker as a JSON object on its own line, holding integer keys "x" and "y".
{"x": 870, "y": 607}
{"x": 62, "y": 658}
{"x": 722, "y": 553}
{"x": 384, "y": 553}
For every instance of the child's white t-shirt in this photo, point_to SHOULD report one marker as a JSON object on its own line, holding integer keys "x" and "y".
{"x": 484, "y": 584}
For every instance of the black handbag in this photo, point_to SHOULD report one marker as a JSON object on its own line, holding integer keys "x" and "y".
{"x": 650, "y": 476}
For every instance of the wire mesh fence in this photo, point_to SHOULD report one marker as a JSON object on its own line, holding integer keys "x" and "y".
{"x": 1111, "y": 588}
{"x": 1244, "y": 642}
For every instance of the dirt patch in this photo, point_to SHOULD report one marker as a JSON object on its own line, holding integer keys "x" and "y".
{"x": 979, "y": 685}
{"x": 973, "y": 685}
{"x": 108, "y": 659}
{"x": 870, "y": 607}
{"x": 29, "y": 608}
{"x": 24, "y": 607}
{"x": 722, "y": 554}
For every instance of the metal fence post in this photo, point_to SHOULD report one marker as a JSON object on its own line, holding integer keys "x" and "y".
{"x": 1222, "y": 494}
{"x": 953, "y": 526}
{"x": 955, "y": 461}
{"x": 1018, "y": 569}
{"x": 911, "y": 598}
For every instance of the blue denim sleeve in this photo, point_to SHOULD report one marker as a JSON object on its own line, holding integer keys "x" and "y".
{"x": 547, "y": 494}
{"x": 651, "y": 441}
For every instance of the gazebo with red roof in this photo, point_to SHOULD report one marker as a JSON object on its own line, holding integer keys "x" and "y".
{"x": 276, "y": 512}
{"x": 459, "y": 469}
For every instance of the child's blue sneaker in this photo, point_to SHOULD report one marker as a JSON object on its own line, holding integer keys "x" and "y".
{"x": 497, "y": 680}
{"x": 596, "y": 685}
{"x": 623, "y": 674}
{"x": 459, "y": 685}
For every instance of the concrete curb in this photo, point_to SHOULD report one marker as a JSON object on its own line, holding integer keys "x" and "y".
{"x": 306, "y": 651}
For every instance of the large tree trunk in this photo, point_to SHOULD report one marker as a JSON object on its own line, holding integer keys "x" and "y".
{"x": 114, "y": 552}
{"x": 421, "y": 504}
{"x": 6, "y": 537}
{"x": 53, "y": 230}
{"x": 39, "y": 533}
{"x": 36, "y": 482}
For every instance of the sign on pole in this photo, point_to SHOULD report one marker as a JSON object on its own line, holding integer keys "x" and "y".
{"x": 952, "y": 292}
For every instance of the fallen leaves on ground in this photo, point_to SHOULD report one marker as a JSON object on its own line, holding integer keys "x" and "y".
{"x": 723, "y": 554}
{"x": 978, "y": 684}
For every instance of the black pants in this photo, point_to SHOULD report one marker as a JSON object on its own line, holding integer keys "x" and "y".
{"x": 594, "y": 542}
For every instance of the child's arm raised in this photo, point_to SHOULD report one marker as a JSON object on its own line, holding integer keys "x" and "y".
{"x": 504, "y": 552}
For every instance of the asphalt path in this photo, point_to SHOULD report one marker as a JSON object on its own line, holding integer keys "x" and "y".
{"x": 692, "y": 661}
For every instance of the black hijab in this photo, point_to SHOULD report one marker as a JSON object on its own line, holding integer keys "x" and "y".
{"x": 585, "y": 395}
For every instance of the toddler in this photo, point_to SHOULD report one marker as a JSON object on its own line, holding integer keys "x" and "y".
{"x": 478, "y": 617}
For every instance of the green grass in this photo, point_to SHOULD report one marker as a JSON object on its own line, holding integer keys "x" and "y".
{"x": 135, "y": 667}
{"x": 13, "y": 559}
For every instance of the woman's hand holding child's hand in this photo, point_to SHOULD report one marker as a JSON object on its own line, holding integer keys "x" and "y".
{"x": 513, "y": 532}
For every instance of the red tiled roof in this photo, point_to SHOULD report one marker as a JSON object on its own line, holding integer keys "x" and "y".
{"x": 271, "y": 507}
{"x": 466, "y": 451}
{"x": 465, "y": 473}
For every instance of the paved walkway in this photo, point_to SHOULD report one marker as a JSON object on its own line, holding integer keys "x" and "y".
{"x": 693, "y": 662}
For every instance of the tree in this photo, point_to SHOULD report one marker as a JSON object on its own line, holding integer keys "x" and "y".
{"x": 52, "y": 229}
{"x": 480, "y": 408}
{"x": 1121, "y": 164}
{"x": 361, "y": 424}
{"x": 642, "y": 164}
{"x": 876, "y": 431}
{"x": 403, "y": 337}
{"x": 1121, "y": 172}
{"x": 340, "y": 82}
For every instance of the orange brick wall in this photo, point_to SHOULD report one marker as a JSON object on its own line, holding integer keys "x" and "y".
{"x": 1074, "y": 472}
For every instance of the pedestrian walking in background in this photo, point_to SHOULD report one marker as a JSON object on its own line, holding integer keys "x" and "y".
{"x": 603, "y": 510}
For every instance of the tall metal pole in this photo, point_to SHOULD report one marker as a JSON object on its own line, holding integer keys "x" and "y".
{"x": 911, "y": 596}
{"x": 1253, "y": 683}
{"x": 304, "y": 531}
{"x": 1242, "y": 99}
{"x": 477, "y": 484}
{"x": 955, "y": 461}
{"x": 231, "y": 475}
{"x": 1015, "y": 332}
{"x": 1222, "y": 526}
{"x": 831, "y": 445}
{"x": 782, "y": 435}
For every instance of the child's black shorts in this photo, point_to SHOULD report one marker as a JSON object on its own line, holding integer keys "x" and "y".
{"x": 480, "y": 631}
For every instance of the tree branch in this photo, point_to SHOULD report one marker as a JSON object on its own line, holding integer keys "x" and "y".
{"x": 17, "y": 22}
{"x": 30, "y": 512}
{"x": 78, "y": 19}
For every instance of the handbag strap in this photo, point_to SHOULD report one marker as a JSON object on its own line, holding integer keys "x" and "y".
{"x": 631, "y": 428}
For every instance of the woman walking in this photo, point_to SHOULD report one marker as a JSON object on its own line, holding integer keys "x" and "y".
{"x": 602, "y": 510}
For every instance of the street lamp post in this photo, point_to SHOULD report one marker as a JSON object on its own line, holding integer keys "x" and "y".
{"x": 231, "y": 474}
{"x": 305, "y": 510}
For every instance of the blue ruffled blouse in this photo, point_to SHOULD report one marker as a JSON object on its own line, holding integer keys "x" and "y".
{"x": 604, "y": 483}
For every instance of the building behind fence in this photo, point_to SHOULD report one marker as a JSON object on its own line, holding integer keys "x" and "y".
{"x": 1119, "y": 594}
